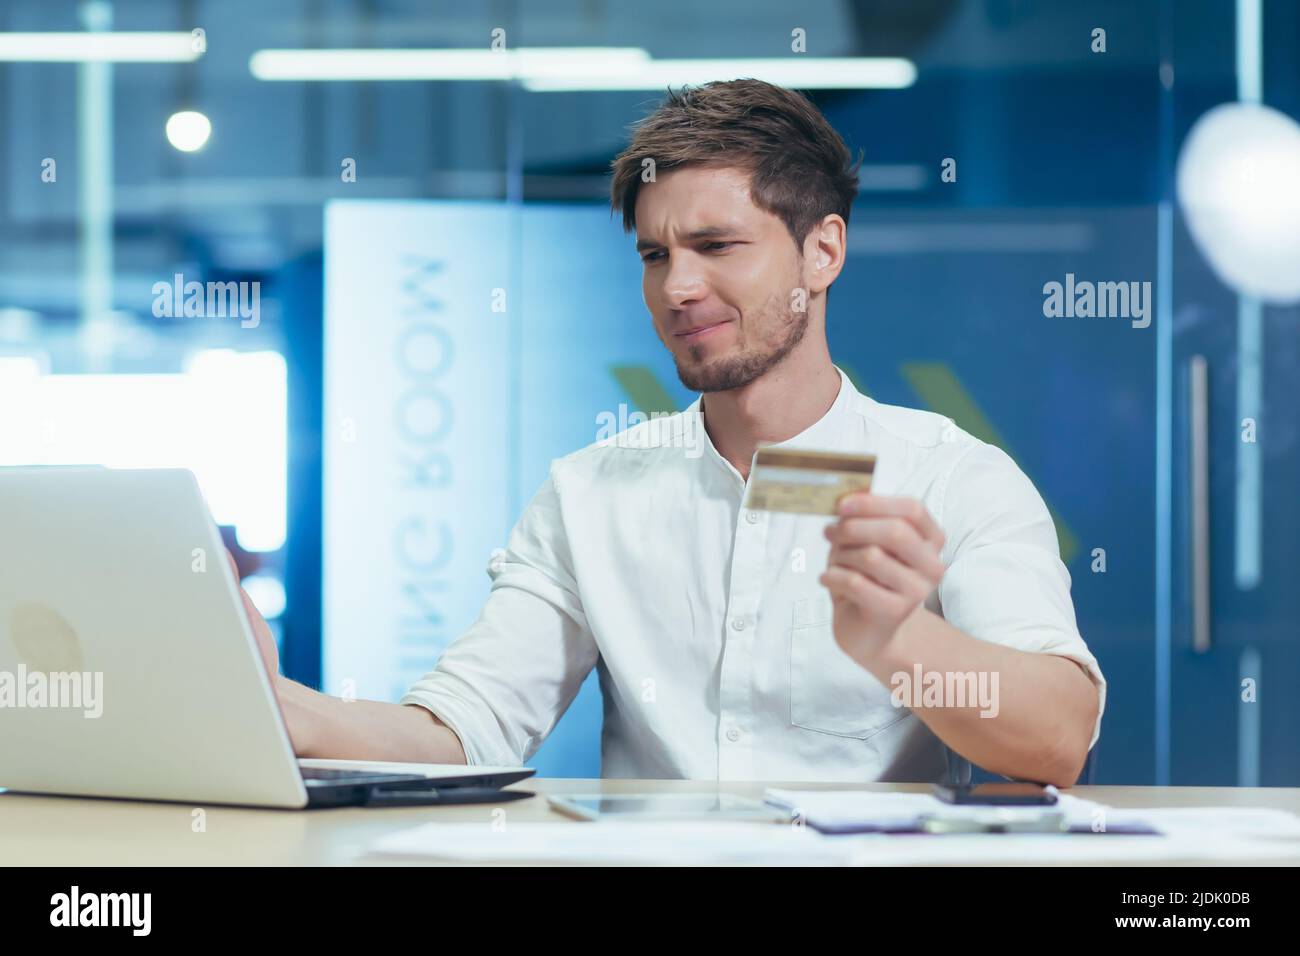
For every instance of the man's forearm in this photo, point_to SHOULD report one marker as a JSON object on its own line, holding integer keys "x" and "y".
{"x": 1046, "y": 706}
{"x": 324, "y": 726}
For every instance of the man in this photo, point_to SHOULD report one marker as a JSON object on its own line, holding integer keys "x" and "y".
{"x": 736, "y": 644}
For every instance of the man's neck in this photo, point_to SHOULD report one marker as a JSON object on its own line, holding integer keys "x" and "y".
{"x": 775, "y": 407}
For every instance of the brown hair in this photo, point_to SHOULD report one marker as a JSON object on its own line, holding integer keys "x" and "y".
{"x": 800, "y": 170}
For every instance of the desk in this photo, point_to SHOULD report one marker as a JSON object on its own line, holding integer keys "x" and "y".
{"x": 64, "y": 831}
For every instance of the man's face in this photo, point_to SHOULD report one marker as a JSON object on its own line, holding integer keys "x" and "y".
{"x": 719, "y": 276}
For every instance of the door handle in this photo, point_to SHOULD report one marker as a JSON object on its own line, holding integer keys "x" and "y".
{"x": 1199, "y": 421}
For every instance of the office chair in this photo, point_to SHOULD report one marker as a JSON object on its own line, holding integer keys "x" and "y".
{"x": 959, "y": 768}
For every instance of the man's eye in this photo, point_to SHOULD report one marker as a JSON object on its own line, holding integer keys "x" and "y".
{"x": 716, "y": 246}
{"x": 652, "y": 256}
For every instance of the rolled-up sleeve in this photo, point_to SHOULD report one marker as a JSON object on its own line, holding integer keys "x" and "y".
{"x": 1005, "y": 582}
{"x": 504, "y": 683}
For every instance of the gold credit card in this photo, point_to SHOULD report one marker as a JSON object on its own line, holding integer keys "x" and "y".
{"x": 805, "y": 482}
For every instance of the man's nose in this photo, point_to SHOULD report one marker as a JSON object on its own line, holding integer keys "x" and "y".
{"x": 684, "y": 282}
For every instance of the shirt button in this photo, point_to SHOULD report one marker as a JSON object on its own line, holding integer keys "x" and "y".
{"x": 751, "y": 517}
{"x": 738, "y": 624}
{"x": 733, "y": 735}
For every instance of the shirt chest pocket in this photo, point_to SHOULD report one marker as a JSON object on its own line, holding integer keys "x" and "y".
{"x": 830, "y": 693}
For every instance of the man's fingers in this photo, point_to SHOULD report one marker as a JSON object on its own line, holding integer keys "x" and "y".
{"x": 877, "y": 564}
{"x": 863, "y": 504}
{"x": 895, "y": 536}
{"x": 865, "y": 593}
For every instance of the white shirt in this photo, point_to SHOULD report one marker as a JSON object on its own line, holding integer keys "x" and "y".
{"x": 706, "y": 622}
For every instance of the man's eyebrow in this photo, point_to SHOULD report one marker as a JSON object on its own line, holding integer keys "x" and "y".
{"x": 706, "y": 232}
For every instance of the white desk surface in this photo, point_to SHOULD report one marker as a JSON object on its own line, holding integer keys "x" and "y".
{"x": 63, "y": 831}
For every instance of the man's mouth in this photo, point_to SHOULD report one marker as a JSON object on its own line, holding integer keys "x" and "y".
{"x": 697, "y": 332}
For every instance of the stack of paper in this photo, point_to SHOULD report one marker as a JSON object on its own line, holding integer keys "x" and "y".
{"x": 1098, "y": 832}
{"x": 866, "y": 811}
{"x": 843, "y": 811}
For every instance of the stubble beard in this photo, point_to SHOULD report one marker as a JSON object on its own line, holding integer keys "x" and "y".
{"x": 737, "y": 371}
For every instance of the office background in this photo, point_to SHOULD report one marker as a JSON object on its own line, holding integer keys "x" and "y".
{"x": 444, "y": 303}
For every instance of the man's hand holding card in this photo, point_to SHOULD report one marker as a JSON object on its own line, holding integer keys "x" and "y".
{"x": 884, "y": 562}
{"x": 884, "y": 557}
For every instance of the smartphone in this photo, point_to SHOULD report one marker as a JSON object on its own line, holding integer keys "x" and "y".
{"x": 996, "y": 794}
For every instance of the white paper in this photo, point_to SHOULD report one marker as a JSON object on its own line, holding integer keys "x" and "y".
{"x": 1188, "y": 833}
{"x": 1243, "y": 822}
{"x": 1068, "y": 848}
{"x": 847, "y": 808}
{"x": 699, "y": 843}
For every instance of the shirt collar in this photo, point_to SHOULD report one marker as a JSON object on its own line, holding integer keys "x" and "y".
{"x": 823, "y": 433}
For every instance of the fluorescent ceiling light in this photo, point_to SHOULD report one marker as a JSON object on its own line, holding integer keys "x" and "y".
{"x": 554, "y": 69}
{"x": 97, "y": 47}
{"x": 523, "y": 63}
{"x": 798, "y": 72}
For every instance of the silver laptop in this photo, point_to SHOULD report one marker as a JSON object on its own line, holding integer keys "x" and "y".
{"x": 128, "y": 667}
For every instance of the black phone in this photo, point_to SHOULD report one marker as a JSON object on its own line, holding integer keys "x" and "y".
{"x": 996, "y": 794}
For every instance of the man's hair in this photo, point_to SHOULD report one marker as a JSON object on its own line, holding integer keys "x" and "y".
{"x": 800, "y": 170}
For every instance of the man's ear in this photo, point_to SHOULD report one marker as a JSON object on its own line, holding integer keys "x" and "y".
{"x": 824, "y": 250}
